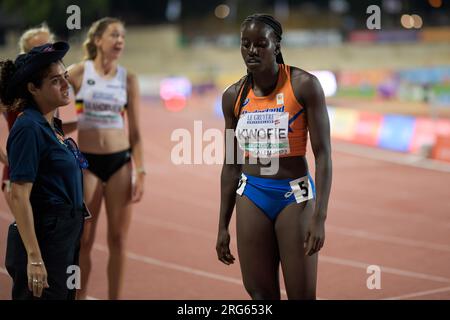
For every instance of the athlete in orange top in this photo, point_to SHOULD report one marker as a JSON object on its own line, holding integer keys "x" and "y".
{"x": 280, "y": 217}
{"x": 281, "y": 99}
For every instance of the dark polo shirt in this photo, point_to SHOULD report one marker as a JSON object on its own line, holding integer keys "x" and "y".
{"x": 36, "y": 155}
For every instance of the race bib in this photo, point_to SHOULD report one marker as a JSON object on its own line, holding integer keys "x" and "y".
{"x": 241, "y": 185}
{"x": 264, "y": 134}
{"x": 302, "y": 189}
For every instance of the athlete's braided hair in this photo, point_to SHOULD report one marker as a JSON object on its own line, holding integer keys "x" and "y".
{"x": 276, "y": 26}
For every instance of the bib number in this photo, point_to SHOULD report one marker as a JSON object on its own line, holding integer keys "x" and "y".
{"x": 301, "y": 188}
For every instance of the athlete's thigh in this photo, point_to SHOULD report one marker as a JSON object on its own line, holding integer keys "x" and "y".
{"x": 93, "y": 192}
{"x": 118, "y": 199}
{"x": 93, "y": 195}
{"x": 299, "y": 271}
{"x": 257, "y": 247}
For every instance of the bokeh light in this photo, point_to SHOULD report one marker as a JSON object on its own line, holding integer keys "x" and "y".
{"x": 407, "y": 21}
{"x": 174, "y": 91}
{"x": 417, "y": 21}
{"x": 222, "y": 11}
{"x": 435, "y": 3}
{"x": 328, "y": 82}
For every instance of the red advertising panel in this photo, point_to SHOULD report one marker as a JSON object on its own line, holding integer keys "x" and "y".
{"x": 443, "y": 127}
{"x": 362, "y": 36}
{"x": 441, "y": 150}
{"x": 368, "y": 128}
{"x": 424, "y": 135}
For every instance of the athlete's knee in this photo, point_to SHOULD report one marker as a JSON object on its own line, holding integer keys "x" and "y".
{"x": 87, "y": 242}
{"x": 302, "y": 294}
{"x": 260, "y": 293}
{"x": 116, "y": 241}
{"x": 264, "y": 295}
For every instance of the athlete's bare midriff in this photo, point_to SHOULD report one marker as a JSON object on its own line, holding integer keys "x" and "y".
{"x": 288, "y": 168}
{"x": 103, "y": 141}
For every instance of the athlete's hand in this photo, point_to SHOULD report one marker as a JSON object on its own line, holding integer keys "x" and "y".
{"x": 315, "y": 236}
{"x": 223, "y": 247}
{"x": 138, "y": 188}
{"x": 37, "y": 277}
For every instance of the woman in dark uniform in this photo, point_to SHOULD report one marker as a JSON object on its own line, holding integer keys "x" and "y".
{"x": 30, "y": 38}
{"x": 280, "y": 217}
{"x": 46, "y": 177}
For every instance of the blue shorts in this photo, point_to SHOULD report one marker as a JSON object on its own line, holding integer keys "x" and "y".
{"x": 273, "y": 195}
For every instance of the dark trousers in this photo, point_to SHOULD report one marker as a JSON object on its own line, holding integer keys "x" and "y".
{"x": 58, "y": 231}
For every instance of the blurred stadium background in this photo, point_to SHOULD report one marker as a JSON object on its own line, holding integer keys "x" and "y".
{"x": 191, "y": 46}
{"x": 388, "y": 92}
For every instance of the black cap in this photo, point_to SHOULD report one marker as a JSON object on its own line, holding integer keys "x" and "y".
{"x": 28, "y": 63}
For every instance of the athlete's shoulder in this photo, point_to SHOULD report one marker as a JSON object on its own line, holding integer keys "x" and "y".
{"x": 229, "y": 98}
{"x": 131, "y": 76}
{"x": 232, "y": 91}
{"x": 76, "y": 69}
{"x": 301, "y": 75}
{"x": 303, "y": 81}
{"x": 76, "y": 72}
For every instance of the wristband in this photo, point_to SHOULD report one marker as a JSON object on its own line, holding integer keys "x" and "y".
{"x": 141, "y": 170}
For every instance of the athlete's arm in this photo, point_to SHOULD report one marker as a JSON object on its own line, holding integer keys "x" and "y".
{"x": 229, "y": 178}
{"x": 23, "y": 214}
{"x": 75, "y": 79}
{"x": 309, "y": 92}
{"x": 135, "y": 135}
{"x": 3, "y": 157}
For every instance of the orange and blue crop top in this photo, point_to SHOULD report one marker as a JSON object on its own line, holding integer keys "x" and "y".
{"x": 277, "y": 115}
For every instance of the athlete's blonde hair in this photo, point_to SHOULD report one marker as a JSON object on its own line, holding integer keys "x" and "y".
{"x": 32, "y": 32}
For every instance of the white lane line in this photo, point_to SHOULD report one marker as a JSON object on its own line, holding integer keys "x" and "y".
{"x": 175, "y": 227}
{"x": 395, "y": 271}
{"x": 346, "y": 262}
{"x": 359, "y": 233}
{"x": 328, "y": 259}
{"x": 390, "y": 156}
{"x": 178, "y": 267}
{"x": 418, "y": 294}
{"x": 381, "y": 212}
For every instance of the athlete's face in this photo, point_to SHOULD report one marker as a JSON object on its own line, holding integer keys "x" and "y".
{"x": 112, "y": 41}
{"x": 54, "y": 90}
{"x": 259, "y": 46}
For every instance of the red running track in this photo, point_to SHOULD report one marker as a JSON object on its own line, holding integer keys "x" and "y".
{"x": 391, "y": 215}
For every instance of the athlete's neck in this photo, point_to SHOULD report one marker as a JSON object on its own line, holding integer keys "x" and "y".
{"x": 105, "y": 67}
{"x": 264, "y": 82}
